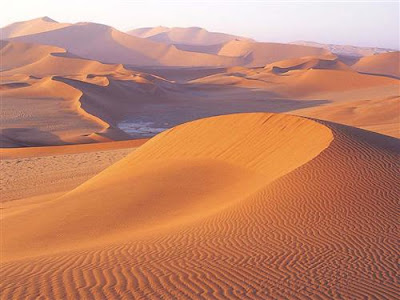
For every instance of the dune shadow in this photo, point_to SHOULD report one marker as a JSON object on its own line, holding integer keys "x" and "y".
{"x": 125, "y": 105}
{"x": 380, "y": 75}
{"x": 27, "y": 137}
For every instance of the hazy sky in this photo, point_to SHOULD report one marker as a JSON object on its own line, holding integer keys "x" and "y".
{"x": 364, "y": 23}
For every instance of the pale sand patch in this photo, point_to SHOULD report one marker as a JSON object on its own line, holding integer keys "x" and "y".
{"x": 34, "y": 176}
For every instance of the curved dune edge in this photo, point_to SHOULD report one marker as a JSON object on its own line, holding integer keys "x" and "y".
{"x": 326, "y": 230}
{"x": 182, "y": 175}
{"x": 54, "y": 87}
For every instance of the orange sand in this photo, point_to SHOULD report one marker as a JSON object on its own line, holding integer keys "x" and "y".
{"x": 247, "y": 205}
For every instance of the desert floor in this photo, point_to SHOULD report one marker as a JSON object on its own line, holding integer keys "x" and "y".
{"x": 255, "y": 225}
{"x": 177, "y": 163}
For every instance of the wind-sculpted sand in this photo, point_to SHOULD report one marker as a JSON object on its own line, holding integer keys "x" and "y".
{"x": 245, "y": 206}
{"x": 36, "y": 171}
{"x": 352, "y": 98}
{"x": 381, "y": 64}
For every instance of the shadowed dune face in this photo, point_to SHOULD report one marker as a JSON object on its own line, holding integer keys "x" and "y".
{"x": 199, "y": 168}
{"x": 29, "y": 107}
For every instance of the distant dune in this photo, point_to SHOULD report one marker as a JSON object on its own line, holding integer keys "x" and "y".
{"x": 346, "y": 50}
{"x": 30, "y": 27}
{"x": 187, "y": 36}
{"x": 95, "y": 97}
{"x": 328, "y": 62}
{"x": 299, "y": 77}
{"x": 42, "y": 60}
{"x": 366, "y": 101}
{"x": 260, "y": 54}
{"x": 381, "y": 64}
{"x": 106, "y": 44}
{"x": 222, "y": 207}
{"x": 15, "y": 55}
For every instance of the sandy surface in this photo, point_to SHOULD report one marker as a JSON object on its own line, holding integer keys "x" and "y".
{"x": 53, "y": 97}
{"x": 28, "y": 177}
{"x": 381, "y": 64}
{"x": 238, "y": 206}
{"x": 37, "y": 171}
{"x": 242, "y": 216}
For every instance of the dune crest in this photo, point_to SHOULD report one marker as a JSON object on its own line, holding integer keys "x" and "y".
{"x": 30, "y": 27}
{"x": 328, "y": 62}
{"x": 327, "y": 228}
{"x": 260, "y": 54}
{"x": 106, "y": 44}
{"x": 208, "y": 161}
{"x": 186, "y": 36}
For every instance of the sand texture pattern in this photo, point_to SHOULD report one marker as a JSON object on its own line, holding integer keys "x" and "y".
{"x": 244, "y": 206}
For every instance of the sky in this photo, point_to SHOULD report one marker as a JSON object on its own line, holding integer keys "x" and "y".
{"x": 359, "y": 23}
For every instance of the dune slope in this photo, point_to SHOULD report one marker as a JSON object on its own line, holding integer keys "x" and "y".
{"x": 367, "y": 101}
{"x": 195, "y": 170}
{"x": 106, "y": 44}
{"x": 312, "y": 220}
{"x": 30, "y": 27}
{"x": 259, "y": 54}
{"x": 382, "y": 64}
{"x": 186, "y": 36}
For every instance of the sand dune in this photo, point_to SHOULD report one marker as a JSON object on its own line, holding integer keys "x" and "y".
{"x": 351, "y": 98}
{"x": 329, "y": 62}
{"x": 42, "y": 60}
{"x": 106, "y": 44}
{"x": 185, "y": 36}
{"x": 251, "y": 205}
{"x": 299, "y": 77}
{"x": 26, "y": 121}
{"x": 101, "y": 96}
{"x": 379, "y": 114}
{"x": 36, "y": 95}
{"x": 192, "y": 50}
{"x": 30, "y": 27}
{"x": 194, "y": 172}
{"x": 346, "y": 50}
{"x": 260, "y": 54}
{"x": 381, "y": 64}
{"x": 315, "y": 222}
{"x": 15, "y": 55}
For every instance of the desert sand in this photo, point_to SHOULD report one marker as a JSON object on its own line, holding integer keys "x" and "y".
{"x": 185, "y": 36}
{"x": 30, "y": 27}
{"x": 49, "y": 78}
{"x": 178, "y": 163}
{"x": 35, "y": 171}
{"x": 277, "y": 223}
{"x": 381, "y": 64}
